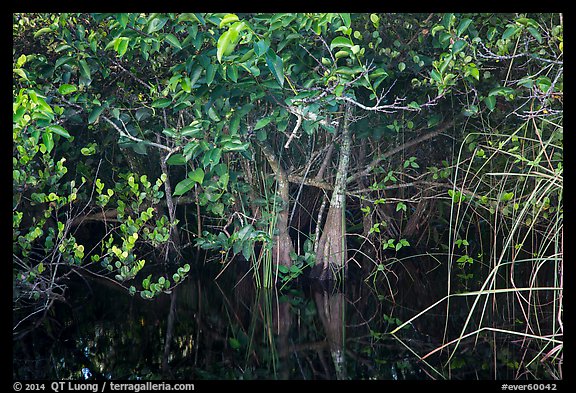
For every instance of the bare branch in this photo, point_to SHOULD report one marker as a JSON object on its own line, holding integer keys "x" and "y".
{"x": 293, "y": 134}
{"x": 127, "y": 135}
{"x": 488, "y": 54}
{"x": 398, "y": 149}
{"x": 132, "y": 75}
{"x": 390, "y": 108}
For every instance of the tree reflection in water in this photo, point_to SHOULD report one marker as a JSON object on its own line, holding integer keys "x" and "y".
{"x": 232, "y": 330}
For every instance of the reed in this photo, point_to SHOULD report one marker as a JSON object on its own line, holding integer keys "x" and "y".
{"x": 511, "y": 188}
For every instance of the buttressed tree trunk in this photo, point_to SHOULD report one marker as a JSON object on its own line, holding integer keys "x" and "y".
{"x": 282, "y": 244}
{"x": 331, "y": 258}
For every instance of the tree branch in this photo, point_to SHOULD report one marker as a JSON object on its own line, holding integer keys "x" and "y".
{"x": 170, "y": 150}
{"x": 398, "y": 149}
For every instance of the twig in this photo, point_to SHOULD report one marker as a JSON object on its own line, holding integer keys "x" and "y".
{"x": 298, "y": 122}
{"x": 398, "y": 149}
{"x": 127, "y": 135}
{"x": 390, "y": 108}
{"x": 132, "y": 75}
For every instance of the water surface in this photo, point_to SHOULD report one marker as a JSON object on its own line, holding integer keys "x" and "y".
{"x": 229, "y": 329}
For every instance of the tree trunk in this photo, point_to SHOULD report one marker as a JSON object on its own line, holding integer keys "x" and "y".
{"x": 331, "y": 258}
{"x": 282, "y": 244}
{"x": 174, "y": 244}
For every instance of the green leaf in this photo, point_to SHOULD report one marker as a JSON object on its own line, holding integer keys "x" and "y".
{"x": 434, "y": 120}
{"x": 490, "y": 102}
{"x": 447, "y": 20}
{"x": 213, "y": 115}
{"x": 177, "y": 159}
{"x": 436, "y": 76}
{"x": 197, "y": 175}
{"x": 122, "y": 46}
{"x": 401, "y": 66}
{"x": 234, "y": 343}
{"x": 122, "y": 19}
{"x": 262, "y": 122}
{"x": 458, "y": 46}
{"x": 346, "y": 19}
{"x": 232, "y": 72}
{"x": 186, "y": 85}
{"x": 67, "y": 89}
{"x": 276, "y": 66}
{"x": 349, "y": 71}
{"x": 183, "y": 187}
{"x": 474, "y": 71}
{"x": 544, "y": 83}
{"x": 535, "y": 34}
{"x": 156, "y": 24}
{"x": 463, "y": 26}
{"x": 436, "y": 29}
{"x": 340, "y": 42}
{"x": 62, "y": 60}
{"x": 161, "y": 103}
{"x": 501, "y": 91}
{"x": 48, "y": 141}
{"x": 400, "y": 206}
{"x": 85, "y": 69}
{"x": 217, "y": 209}
{"x": 235, "y": 146}
{"x": 511, "y": 31}
{"x": 95, "y": 114}
{"x": 261, "y": 135}
{"x": 247, "y": 250}
{"x": 527, "y": 22}
{"x": 505, "y": 197}
{"x": 210, "y": 73}
{"x": 226, "y": 43}
{"x": 195, "y": 75}
{"x": 378, "y": 72}
{"x": 261, "y": 47}
{"x": 228, "y": 18}
{"x": 43, "y": 30}
{"x": 59, "y": 130}
{"x": 245, "y": 232}
{"x": 215, "y": 156}
{"x": 470, "y": 111}
{"x": 172, "y": 40}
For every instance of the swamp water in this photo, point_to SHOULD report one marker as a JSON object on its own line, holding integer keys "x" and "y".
{"x": 229, "y": 329}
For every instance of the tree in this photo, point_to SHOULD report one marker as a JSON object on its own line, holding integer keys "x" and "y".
{"x": 216, "y": 130}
